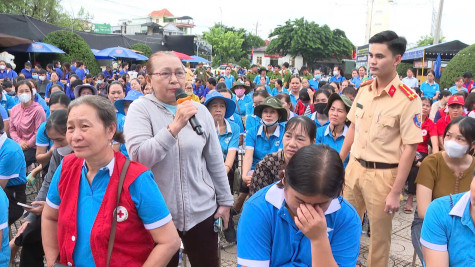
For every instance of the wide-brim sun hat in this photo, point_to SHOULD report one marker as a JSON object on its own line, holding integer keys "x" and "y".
{"x": 131, "y": 96}
{"x": 335, "y": 96}
{"x": 274, "y": 103}
{"x": 230, "y": 105}
{"x": 241, "y": 84}
{"x": 77, "y": 89}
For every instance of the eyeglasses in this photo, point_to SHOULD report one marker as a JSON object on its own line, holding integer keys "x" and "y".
{"x": 168, "y": 74}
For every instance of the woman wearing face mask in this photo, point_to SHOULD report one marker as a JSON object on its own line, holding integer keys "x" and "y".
{"x": 446, "y": 172}
{"x": 299, "y": 132}
{"x": 54, "y": 80}
{"x": 29, "y": 234}
{"x": 295, "y": 86}
{"x": 430, "y": 88}
{"x": 320, "y": 100}
{"x": 337, "y": 75}
{"x": 258, "y": 97}
{"x": 333, "y": 135}
{"x": 241, "y": 97}
{"x": 101, "y": 85}
{"x": 301, "y": 220}
{"x": 26, "y": 118}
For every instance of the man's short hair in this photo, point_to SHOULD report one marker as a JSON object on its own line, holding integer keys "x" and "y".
{"x": 198, "y": 80}
{"x": 27, "y": 64}
{"x": 395, "y": 43}
{"x": 467, "y": 74}
{"x": 286, "y": 64}
{"x": 212, "y": 81}
{"x": 253, "y": 66}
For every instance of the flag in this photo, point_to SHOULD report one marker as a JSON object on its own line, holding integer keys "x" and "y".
{"x": 438, "y": 67}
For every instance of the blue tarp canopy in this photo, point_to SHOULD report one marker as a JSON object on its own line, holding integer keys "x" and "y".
{"x": 95, "y": 51}
{"x": 36, "y": 47}
{"x": 197, "y": 59}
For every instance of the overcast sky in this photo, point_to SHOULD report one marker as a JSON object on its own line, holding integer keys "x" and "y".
{"x": 411, "y": 18}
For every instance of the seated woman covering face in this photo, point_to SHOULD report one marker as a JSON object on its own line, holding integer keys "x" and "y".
{"x": 448, "y": 234}
{"x": 302, "y": 220}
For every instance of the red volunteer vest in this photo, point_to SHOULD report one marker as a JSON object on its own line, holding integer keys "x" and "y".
{"x": 133, "y": 243}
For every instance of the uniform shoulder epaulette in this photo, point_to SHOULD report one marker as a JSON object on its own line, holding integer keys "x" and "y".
{"x": 408, "y": 91}
{"x": 366, "y": 82}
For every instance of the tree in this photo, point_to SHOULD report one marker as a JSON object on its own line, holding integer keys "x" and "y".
{"x": 313, "y": 42}
{"x": 226, "y": 44}
{"x": 427, "y": 40}
{"x": 75, "y": 47}
{"x": 462, "y": 62}
{"x": 80, "y": 22}
{"x": 244, "y": 63}
{"x": 147, "y": 51}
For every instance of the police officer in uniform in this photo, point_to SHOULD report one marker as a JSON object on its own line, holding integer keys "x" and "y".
{"x": 383, "y": 136}
{"x": 200, "y": 72}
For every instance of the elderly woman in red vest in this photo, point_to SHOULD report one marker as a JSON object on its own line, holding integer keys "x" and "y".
{"x": 84, "y": 203}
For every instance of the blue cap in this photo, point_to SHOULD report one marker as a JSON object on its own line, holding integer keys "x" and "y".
{"x": 131, "y": 96}
{"x": 230, "y": 105}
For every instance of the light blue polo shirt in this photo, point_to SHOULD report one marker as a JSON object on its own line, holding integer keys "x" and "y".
{"x": 257, "y": 140}
{"x": 237, "y": 119}
{"x": 453, "y": 90}
{"x": 229, "y": 81}
{"x": 337, "y": 80}
{"x": 450, "y": 229}
{"x": 257, "y": 79}
{"x": 252, "y": 121}
{"x": 313, "y": 83}
{"x": 12, "y": 162}
{"x": 42, "y": 138}
{"x": 230, "y": 139}
{"x": 242, "y": 102}
{"x": 48, "y": 87}
{"x": 7, "y": 101}
{"x": 3, "y": 114}
{"x": 276, "y": 92}
{"x": 324, "y": 136}
{"x": 267, "y": 234}
{"x": 313, "y": 116}
{"x": 357, "y": 81}
{"x": 429, "y": 90}
{"x": 5, "y": 248}
{"x": 293, "y": 100}
{"x": 144, "y": 192}
{"x": 120, "y": 128}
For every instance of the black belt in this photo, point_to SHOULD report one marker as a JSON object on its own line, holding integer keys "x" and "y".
{"x": 376, "y": 165}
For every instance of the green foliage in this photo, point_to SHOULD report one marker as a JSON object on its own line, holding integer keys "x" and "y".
{"x": 313, "y": 42}
{"x": 75, "y": 47}
{"x": 462, "y": 62}
{"x": 244, "y": 63}
{"x": 226, "y": 44}
{"x": 402, "y": 69}
{"x": 48, "y": 11}
{"x": 428, "y": 40}
{"x": 216, "y": 62}
{"x": 147, "y": 51}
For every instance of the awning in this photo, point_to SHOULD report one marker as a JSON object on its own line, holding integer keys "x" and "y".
{"x": 447, "y": 51}
{"x": 7, "y": 40}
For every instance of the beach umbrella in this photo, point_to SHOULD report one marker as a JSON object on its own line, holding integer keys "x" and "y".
{"x": 197, "y": 59}
{"x": 182, "y": 56}
{"x": 117, "y": 52}
{"x": 36, "y": 47}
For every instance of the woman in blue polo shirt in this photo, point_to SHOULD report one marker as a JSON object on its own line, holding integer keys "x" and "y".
{"x": 430, "y": 88}
{"x": 302, "y": 220}
{"x": 320, "y": 100}
{"x": 54, "y": 80}
{"x": 4, "y": 247}
{"x": 333, "y": 135}
{"x": 85, "y": 179}
{"x": 258, "y": 97}
{"x": 337, "y": 75}
{"x": 448, "y": 234}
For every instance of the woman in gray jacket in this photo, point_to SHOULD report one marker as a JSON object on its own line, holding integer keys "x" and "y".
{"x": 187, "y": 167}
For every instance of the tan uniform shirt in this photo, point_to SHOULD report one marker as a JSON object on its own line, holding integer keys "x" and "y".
{"x": 385, "y": 122}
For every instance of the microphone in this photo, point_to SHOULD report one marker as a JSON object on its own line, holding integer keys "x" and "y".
{"x": 181, "y": 97}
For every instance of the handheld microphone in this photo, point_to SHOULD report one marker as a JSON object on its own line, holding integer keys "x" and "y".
{"x": 181, "y": 96}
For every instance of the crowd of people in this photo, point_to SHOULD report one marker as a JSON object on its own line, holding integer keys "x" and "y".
{"x": 131, "y": 167}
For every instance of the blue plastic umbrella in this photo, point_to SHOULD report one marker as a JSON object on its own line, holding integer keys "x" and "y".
{"x": 438, "y": 67}
{"x": 197, "y": 59}
{"x": 117, "y": 52}
{"x": 141, "y": 57}
{"x": 36, "y": 47}
{"x": 95, "y": 51}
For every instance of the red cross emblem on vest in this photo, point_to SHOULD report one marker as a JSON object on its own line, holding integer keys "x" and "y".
{"x": 122, "y": 214}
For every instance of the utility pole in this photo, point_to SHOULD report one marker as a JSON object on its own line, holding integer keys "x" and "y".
{"x": 439, "y": 19}
{"x": 257, "y": 24}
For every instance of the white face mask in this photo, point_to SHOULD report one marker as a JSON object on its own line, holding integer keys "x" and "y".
{"x": 454, "y": 149}
{"x": 42, "y": 78}
{"x": 269, "y": 124}
{"x": 2, "y": 67}
{"x": 24, "y": 98}
{"x": 99, "y": 81}
{"x": 65, "y": 150}
{"x": 335, "y": 73}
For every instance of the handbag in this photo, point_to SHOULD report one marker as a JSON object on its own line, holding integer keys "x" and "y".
{"x": 114, "y": 221}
